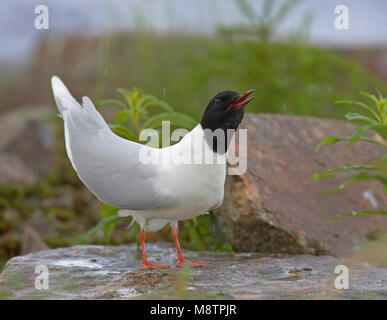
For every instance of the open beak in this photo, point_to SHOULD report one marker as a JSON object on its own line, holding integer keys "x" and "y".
{"x": 242, "y": 101}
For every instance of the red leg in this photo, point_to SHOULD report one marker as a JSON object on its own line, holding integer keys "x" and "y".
{"x": 180, "y": 258}
{"x": 145, "y": 262}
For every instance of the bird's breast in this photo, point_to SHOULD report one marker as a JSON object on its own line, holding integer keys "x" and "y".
{"x": 198, "y": 188}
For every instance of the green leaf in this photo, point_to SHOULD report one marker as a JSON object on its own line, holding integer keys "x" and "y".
{"x": 351, "y": 213}
{"x": 107, "y": 212}
{"x": 129, "y": 97}
{"x": 374, "y": 142}
{"x": 136, "y": 230}
{"x": 142, "y": 112}
{"x": 123, "y": 116}
{"x": 328, "y": 140}
{"x": 111, "y": 101}
{"x": 330, "y": 172}
{"x": 103, "y": 223}
{"x": 384, "y": 159}
{"x": 148, "y": 100}
{"x": 177, "y": 120}
{"x": 359, "y": 133}
{"x": 361, "y": 105}
{"x": 123, "y": 132}
{"x": 362, "y": 176}
{"x": 384, "y": 187}
{"x": 359, "y": 118}
{"x": 381, "y": 98}
{"x": 331, "y": 140}
{"x": 370, "y": 96}
{"x": 381, "y": 130}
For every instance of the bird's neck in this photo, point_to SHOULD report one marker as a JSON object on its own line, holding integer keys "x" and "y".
{"x": 217, "y": 139}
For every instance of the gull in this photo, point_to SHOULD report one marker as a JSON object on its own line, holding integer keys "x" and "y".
{"x": 170, "y": 184}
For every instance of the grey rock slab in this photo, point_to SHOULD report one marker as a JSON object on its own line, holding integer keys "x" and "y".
{"x": 116, "y": 272}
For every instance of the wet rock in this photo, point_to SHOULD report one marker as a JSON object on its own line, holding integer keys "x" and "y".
{"x": 106, "y": 272}
{"x": 26, "y": 143}
{"x": 273, "y": 208}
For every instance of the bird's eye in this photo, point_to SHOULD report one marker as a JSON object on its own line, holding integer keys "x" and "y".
{"x": 217, "y": 100}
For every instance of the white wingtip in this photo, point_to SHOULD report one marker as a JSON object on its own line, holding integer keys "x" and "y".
{"x": 58, "y": 86}
{"x": 60, "y": 92}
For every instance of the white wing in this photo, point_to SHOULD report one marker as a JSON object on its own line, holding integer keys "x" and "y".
{"x": 106, "y": 163}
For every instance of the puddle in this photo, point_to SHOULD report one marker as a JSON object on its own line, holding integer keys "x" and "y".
{"x": 77, "y": 263}
{"x": 127, "y": 292}
{"x": 105, "y": 272}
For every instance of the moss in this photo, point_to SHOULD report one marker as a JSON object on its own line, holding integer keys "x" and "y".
{"x": 374, "y": 250}
{"x": 376, "y": 235}
{"x": 56, "y": 241}
{"x": 3, "y": 262}
{"x": 14, "y": 196}
{"x": 63, "y": 214}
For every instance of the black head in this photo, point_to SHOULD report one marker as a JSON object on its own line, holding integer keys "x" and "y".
{"x": 225, "y": 111}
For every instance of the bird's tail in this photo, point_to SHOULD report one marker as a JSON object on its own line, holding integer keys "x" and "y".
{"x": 85, "y": 118}
{"x": 61, "y": 93}
{"x": 151, "y": 225}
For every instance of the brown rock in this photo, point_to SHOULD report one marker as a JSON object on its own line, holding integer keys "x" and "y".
{"x": 9, "y": 244}
{"x": 11, "y": 218}
{"x": 13, "y": 170}
{"x": 273, "y": 208}
{"x": 31, "y": 241}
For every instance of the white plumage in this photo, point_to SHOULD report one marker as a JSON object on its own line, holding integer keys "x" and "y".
{"x": 110, "y": 167}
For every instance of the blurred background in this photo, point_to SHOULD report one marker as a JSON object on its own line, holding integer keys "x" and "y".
{"x": 183, "y": 53}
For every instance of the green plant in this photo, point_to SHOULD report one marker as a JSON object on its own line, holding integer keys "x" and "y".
{"x": 133, "y": 117}
{"x": 375, "y": 121}
{"x": 182, "y": 281}
{"x": 201, "y": 233}
{"x": 264, "y": 24}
